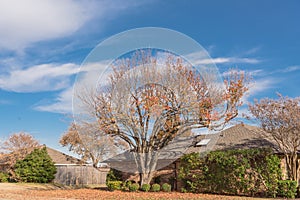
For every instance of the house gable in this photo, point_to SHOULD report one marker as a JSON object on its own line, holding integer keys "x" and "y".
{"x": 60, "y": 158}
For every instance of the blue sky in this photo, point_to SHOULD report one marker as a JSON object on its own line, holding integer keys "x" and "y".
{"x": 43, "y": 43}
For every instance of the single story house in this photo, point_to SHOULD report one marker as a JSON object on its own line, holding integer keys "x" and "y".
{"x": 240, "y": 136}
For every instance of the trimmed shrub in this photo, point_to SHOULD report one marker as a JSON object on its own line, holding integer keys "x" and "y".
{"x": 125, "y": 185}
{"x": 128, "y": 183}
{"x": 3, "y": 177}
{"x": 36, "y": 167}
{"x": 155, "y": 187}
{"x": 146, "y": 187}
{"x": 134, "y": 187}
{"x": 287, "y": 188}
{"x": 114, "y": 185}
{"x": 166, "y": 187}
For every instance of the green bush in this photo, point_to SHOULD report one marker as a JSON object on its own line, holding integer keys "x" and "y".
{"x": 3, "y": 177}
{"x": 128, "y": 183}
{"x": 134, "y": 187}
{"x": 114, "y": 185}
{"x": 114, "y": 175}
{"x": 125, "y": 185}
{"x": 287, "y": 188}
{"x": 146, "y": 187}
{"x": 155, "y": 187}
{"x": 166, "y": 187}
{"x": 36, "y": 167}
{"x": 235, "y": 172}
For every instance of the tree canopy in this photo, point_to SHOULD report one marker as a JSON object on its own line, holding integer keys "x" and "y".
{"x": 150, "y": 101}
{"x": 16, "y": 147}
{"x": 92, "y": 144}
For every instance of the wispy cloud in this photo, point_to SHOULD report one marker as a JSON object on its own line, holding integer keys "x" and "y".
{"x": 252, "y": 50}
{"x": 62, "y": 104}
{"x": 88, "y": 78}
{"x": 222, "y": 60}
{"x": 203, "y": 58}
{"x": 45, "y": 77}
{"x": 290, "y": 69}
{"x": 252, "y": 73}
{"x": 4, "y": 102}
{"x": 257, "y": 87}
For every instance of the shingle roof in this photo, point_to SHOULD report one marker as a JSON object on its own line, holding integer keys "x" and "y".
{"x": 237, "y": 137}
{"x": 243, "y": 136}
{"x": 58, "y": 157}
{"x": 61, "y": 158}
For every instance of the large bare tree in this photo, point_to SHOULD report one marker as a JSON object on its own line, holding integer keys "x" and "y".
{"x": 280, "y": 119}
{"x": 148, "y": 102}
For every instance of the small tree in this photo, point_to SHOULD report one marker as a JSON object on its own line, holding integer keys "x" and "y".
{"x": 16, "y": 147}
{"x": 89, "y": 142}
{"x": 280, "y": 121}
{"x": 37, "y": 167}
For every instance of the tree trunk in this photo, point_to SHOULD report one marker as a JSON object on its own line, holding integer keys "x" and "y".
{"x": 145, "y": 178}
{"x": 146, "y": 165}
{"x": 292, "y": 161}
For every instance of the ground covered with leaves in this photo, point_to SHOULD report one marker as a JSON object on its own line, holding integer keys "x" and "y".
{"x": 17, "y": 191}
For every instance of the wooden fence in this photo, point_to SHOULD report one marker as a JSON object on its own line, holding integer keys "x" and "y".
{"x": 80, "y": 175}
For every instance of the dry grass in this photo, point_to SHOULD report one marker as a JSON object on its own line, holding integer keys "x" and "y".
{"x": 17, "y": 191}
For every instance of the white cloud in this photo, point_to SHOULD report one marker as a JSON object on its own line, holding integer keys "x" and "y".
{"x": 252, "y": 50}
{"x": 62, "y": 104}
{"x": 88, "y": 78}
{"x": 261, "y": 85}
{"x": 4, "y": 102}
{"x": 22, "y": 23}
{"x": 257, "y": 72}
{"x": 290, "y": 69}
{"x": 28, "y": 21}
{"x": 257, "y": 87}
{"x": 204, "y": 58}
{"x": 222, "y": 60}
{"x": 45, "y": 77}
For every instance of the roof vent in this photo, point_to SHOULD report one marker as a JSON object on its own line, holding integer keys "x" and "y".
{"x": 203, "y": 142}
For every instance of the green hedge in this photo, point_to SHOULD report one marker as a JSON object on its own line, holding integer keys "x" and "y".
{"x": 237, "y": 172}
